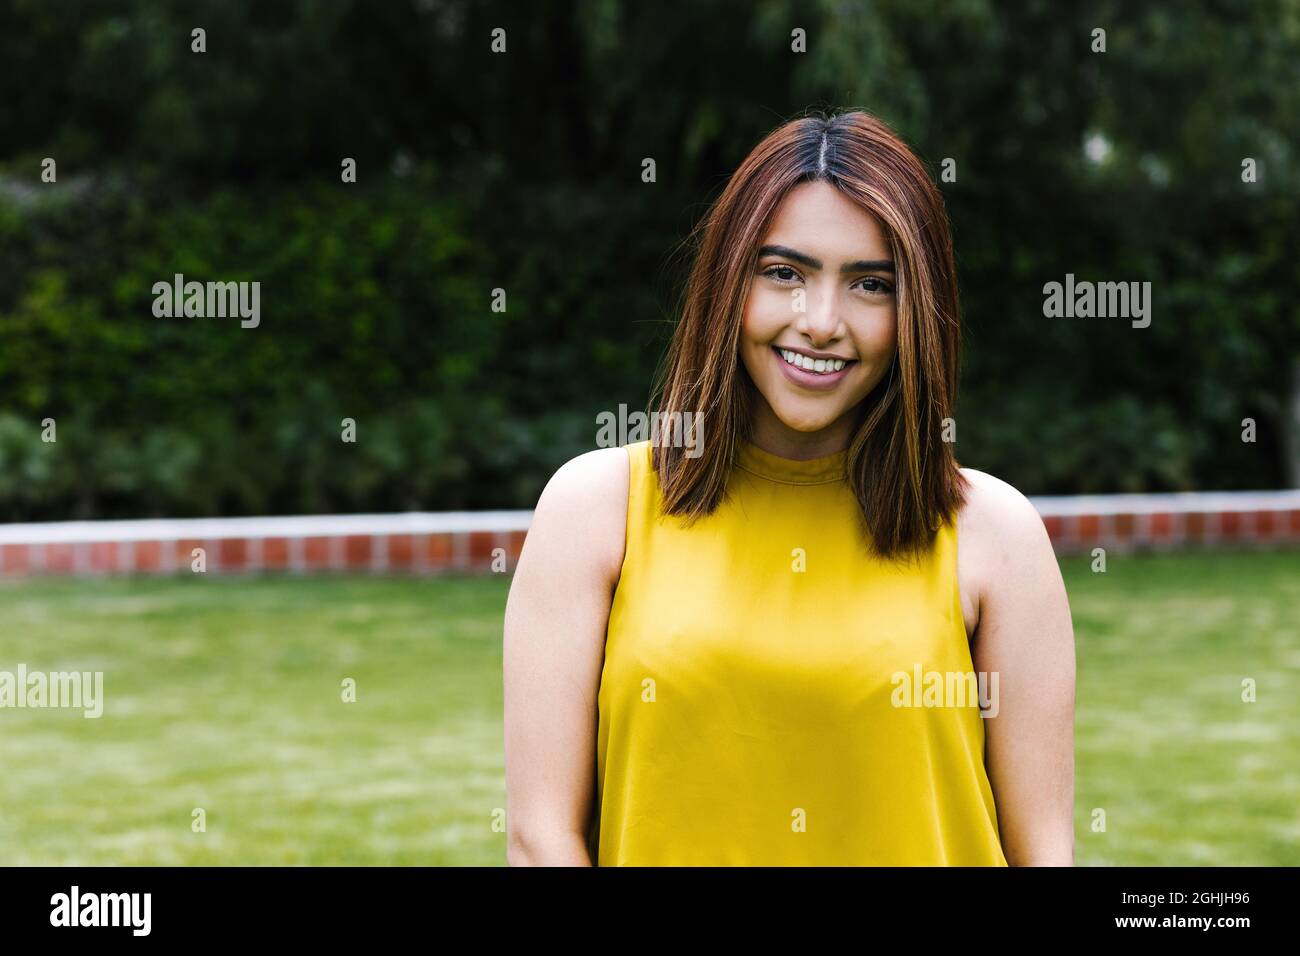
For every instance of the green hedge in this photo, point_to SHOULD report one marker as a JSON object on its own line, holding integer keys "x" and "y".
{"x": 521, "y": 172}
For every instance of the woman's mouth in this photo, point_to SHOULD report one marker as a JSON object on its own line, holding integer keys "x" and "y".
{"x": 809, "y": 372}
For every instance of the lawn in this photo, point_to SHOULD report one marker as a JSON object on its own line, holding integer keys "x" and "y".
{"x": 225, "y": 694}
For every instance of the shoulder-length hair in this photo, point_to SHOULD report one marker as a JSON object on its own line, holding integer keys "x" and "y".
{"x": 902, "y": 471}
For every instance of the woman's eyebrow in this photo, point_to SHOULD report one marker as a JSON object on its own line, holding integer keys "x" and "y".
{"x": 861, "y": 265}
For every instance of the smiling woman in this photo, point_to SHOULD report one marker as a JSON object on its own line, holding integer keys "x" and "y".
{"x": 702, "y": 651}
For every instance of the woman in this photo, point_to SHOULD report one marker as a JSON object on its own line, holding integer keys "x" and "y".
{"x": 759, "y": 643}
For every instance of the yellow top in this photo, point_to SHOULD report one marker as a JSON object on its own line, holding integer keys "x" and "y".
{"x": 774, "y": 694}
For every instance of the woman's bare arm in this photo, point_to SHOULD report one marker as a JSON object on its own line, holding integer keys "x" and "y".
{"x": 554, "y": 647}
{"x": 1026, "y": 637}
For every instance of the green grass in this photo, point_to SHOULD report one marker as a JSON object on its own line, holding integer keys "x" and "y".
{"x": 225, "y": 694}
{"x": 1187, "y": 773}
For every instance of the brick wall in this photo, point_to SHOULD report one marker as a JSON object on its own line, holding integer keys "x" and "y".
{"x": 451, "y": 542}
{"x": 417, "y": 544}
{"x": 1194, "y": 520}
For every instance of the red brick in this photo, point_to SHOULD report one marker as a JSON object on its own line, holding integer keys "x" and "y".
{"x": 185, "y": 553}
{"x": 1196, "y": 526}
{"x": 1295, "y": 522}
{"x": 1055, "y": 527}
{"x": 439, "y": 551}
{"x": 14, "y": 559}
{"x": 60, "y": 558}
{"x": 1231, "y": 525}
{"x": 147, "y": 556}
{"x": 103, "y": 555}
{"x": 1162, "y": 525}
{"x": 401, "y": 551}
{"x": 316, "y": 553}
{"x": 275, "y": 553}
{"x": 1265, "y": 526}
{"x": 1089, "y": 527}
{"x": 516, "y": 546}
{"x": 233, "y": 554}
{"x": 1125, "y": 526}
{"x": 481, "y": 544}
{"x": 357, "y": 549}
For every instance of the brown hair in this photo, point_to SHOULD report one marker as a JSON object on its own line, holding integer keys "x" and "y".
{"x": 903, "y": 474}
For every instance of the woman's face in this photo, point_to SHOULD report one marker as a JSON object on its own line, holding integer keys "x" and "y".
{"x": 819, "y": 327}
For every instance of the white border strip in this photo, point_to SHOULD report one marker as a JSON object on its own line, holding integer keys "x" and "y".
{"x": 297, "y": 526}
{"x": 461, "y": 522}
{"x": 1188, "y": 502}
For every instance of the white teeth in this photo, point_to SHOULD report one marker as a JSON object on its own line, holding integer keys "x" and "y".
{"x": 821, "y": 366}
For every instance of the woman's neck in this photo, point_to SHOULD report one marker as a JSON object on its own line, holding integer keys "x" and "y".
{"x": 777, "y": 438}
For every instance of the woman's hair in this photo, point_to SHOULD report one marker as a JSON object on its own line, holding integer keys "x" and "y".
{"x": 902, "y": 472}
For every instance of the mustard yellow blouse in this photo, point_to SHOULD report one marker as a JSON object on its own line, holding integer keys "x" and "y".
{"x": 761, "y": 701}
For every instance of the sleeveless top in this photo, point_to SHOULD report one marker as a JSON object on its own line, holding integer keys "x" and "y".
{"x": 763, "y": 699}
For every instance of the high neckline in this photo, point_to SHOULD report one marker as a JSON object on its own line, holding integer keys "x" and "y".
{"x": 791, "y": 471}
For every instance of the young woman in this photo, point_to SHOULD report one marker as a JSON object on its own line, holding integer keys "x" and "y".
{"x": 760, "y": 644}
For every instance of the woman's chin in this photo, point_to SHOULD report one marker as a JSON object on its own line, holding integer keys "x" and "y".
{"x": 807, "y": 424}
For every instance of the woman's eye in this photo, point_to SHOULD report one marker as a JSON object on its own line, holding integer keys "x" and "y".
{"x": 772, "y": 273}
{"x": 876, "y": 286}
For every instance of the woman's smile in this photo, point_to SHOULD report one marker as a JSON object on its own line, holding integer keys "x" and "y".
{"x": 807, "y": 371}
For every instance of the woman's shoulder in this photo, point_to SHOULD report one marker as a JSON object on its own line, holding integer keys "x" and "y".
{"x": 999, "y": 524}
{"x": 592, "y": 478}
{"x": 991, "y": 500}
{"x": 585, "y": 503}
